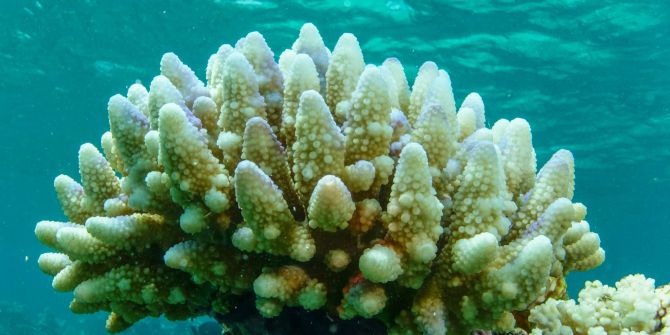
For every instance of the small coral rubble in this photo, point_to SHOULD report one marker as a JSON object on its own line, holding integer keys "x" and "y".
{"x": 318, "y": 182}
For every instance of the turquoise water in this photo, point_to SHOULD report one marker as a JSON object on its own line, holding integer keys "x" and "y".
{"x": 589, "y": 76}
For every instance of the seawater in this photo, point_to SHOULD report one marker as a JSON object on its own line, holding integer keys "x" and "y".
{"x": 590, "y": 76}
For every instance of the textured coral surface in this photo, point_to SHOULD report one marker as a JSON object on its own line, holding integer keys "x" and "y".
{"x": 318, "y": 182}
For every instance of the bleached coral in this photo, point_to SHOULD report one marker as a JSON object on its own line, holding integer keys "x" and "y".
{"x": 633, "y": 306}
{"x": 316, "y": 182}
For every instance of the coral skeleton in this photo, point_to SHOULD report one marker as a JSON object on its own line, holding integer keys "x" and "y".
{"x": 322, "y": 183}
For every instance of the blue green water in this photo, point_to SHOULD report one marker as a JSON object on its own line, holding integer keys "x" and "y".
{"x": 590, "y": 76}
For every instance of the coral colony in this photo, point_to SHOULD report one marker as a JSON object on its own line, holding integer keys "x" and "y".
{"x": 323, "y": 183}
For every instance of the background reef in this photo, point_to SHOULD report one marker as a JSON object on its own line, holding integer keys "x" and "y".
{"x": 587, "y": 76}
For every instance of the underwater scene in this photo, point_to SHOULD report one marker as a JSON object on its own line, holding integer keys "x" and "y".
{"x": 335, "y": 167}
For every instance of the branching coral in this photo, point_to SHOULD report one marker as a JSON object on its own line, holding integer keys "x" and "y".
{"x": 633, "y": 306}
{"x": 318, "y": 182}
